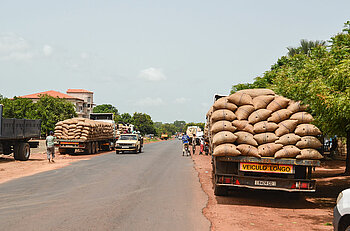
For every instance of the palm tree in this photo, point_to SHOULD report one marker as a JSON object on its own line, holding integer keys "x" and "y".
{"x": 305, "y": 47}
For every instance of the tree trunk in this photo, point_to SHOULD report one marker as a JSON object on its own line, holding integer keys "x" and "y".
{"x": 347, "y": 169}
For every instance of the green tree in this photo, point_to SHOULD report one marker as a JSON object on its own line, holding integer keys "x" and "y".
{"x": 20, "y": 108}
{"x": 305, "y": 47}
{"x": 51, "y": 110}
{"x": 143, "y": 123}
{"x": 125, "y": 118}
{"x": 105, "y": 108}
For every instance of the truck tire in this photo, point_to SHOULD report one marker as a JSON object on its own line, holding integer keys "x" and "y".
{"x": 62, "y": 151}
{"x": 97, "y": 149}
{"x": 88, "y": 148}
{"x": 220, "y": 190}
{"x": 93, "y": 147}
{"x": 21, "y": 151}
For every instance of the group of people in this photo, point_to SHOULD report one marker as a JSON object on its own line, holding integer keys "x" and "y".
{"x": 194, "y": 143}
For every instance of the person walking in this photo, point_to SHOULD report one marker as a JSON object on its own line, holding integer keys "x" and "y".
{"x": 185, "y": 144}
{"x": 50, "y": 147}
{"x": 201, "y": 145}
{"x": 194, "y": 143}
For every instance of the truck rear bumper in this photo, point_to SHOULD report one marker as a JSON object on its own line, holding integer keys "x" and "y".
{"x": 278, "y": 184}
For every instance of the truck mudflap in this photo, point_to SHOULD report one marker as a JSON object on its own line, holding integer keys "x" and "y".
{"x": 289, "y": 185}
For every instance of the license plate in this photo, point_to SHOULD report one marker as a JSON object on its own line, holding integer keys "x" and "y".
{"x": 266, "y": 168}
{"x": 125, "y": 147}
{"x": 265, "y": 183}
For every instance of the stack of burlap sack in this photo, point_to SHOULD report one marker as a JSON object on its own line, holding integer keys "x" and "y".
{"x": 257, "y": 122}
{"x": 83, "y": 129}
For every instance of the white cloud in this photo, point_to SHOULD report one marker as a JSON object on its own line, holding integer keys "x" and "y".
{"x": 47, "y": 50}
{"x": 14, "y": 47}
{"x": 150, "y": 102}
{"x": 181, "y": 100}
{"x": 152, "y": 74}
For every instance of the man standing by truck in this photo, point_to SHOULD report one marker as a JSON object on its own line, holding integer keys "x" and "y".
{"x": 50, "y": 147}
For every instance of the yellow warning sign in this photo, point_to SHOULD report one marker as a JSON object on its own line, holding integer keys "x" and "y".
{"x": 267, "y": 168}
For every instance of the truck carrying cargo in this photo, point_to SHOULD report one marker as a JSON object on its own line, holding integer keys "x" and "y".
{"x": 85, "y": 134}
{"x": 261, "y": 140}
{"x": 15, "y": 136}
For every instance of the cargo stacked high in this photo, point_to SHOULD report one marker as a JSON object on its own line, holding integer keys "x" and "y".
{"x": 84, "y": 134}
{"x": 262, "y": 140}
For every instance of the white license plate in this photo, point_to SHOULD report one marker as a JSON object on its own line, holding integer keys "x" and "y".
{"x": 265, "y": 183}
{"x": 125, "y": 147}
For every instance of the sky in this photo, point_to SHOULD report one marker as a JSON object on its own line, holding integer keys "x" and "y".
{"x": 160, "y": 57}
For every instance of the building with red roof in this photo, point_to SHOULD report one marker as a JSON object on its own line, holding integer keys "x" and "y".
{"x": 80, "y": 98}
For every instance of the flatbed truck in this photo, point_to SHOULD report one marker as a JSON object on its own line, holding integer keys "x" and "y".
{"x": 90, "y": 146}
{"x": 16, "y": 135}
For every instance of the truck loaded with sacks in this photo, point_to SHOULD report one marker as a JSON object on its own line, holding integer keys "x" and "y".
{"x": 261, "y": 140}
{"x": 85, "y": 135}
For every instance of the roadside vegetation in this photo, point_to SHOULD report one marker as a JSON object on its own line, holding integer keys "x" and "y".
{"x": 318, "y": 74}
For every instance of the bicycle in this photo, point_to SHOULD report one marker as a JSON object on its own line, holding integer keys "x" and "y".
{"x": 186, "y": 150}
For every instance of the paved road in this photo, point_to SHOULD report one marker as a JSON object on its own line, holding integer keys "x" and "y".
{"x": 154, "y": 190}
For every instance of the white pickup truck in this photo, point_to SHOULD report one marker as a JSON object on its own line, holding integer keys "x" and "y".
{"x": 129, "y": 142}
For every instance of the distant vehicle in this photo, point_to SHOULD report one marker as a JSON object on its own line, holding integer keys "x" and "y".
{"x": 15, "y": 135}
{"x": 164, "y": 136}
{"x": 129, "y": 142}
{"x": 341, "y": 212}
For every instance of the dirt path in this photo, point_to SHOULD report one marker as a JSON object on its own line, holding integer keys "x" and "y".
{"x": 11, "y": 169}
{"x": 260, "y": 210}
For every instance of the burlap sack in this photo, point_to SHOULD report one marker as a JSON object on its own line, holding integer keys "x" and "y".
{"x": 264, "y": 138}
{"x": 58, "y": 127}
{"x": 309, "y": 154}
{"x": 223, "y": 103}
{"x": 210, "y": 112}
{"x": 262, "y": 101}
{"x": 309, "y": 142}
{"x": 60, "y": 123}
{"x": 269, "y": 149}
{"x": 223, "y": 114}
{"x": 259, "y": 115}
{"x": 243, "y": 125}
{"x": 257, "y": 92}
{"x": 222, "y": 125}
{"x": 224, "y": 137}
{"x": 243, "y": 112}
{"x": 248, "y": 150}
{"x": 285, "y": 127}
{"x": 245, "y": 138}
{"x": 279, "y": 115}
{"x": 288, "y": 139}
{"x": 265, "y": 126}
{"x": 302, "y": 117}
{"x": 240, "y": 99}
{"x": 289, "y": 151}
{"x": 307, "y": 130}
{"x": 296, "y": 107}
{"x": 226, "y": 150}
{"x": 278, "y": 103}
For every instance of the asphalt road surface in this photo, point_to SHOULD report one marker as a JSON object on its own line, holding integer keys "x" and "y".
{"x": 155, "y": 190}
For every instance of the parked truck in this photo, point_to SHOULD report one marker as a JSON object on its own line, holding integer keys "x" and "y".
{"x": 16, "y": 135}
{"x": 93, "y": 144}
{"x": 264, "y": 173}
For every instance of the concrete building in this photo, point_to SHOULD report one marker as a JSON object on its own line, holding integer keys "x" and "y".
{"x": 87, "y": 96}
{"x": 81, "y": 99}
